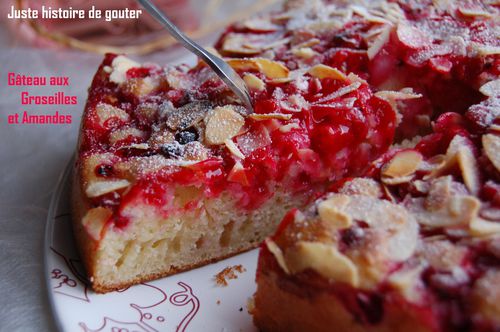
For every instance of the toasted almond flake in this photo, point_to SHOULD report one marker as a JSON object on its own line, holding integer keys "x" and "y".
{"x": 485, "y": 296}
{"x": 491, "y": 89}
{"x": 491, "y": 145}
{"x": 397, "y": 224}
{"x": 233, "y": 148}
{"x": 402, "y": 164}
{"x": 286, "y": 128}
{"x": 379, "y": 42}
{"x": 280, "y": 80}
{"x": 267, "y": 116}
{"x": 406, "y": 281}
{"x": 141, "y": 87}
{"x": 308, "y": 43}
{"x": 355, "y": 78}
{"x": 124, "y": 133}
{"x": 397, "y": 95}
{"x": 244, "y": 64}
{"x": 330, "y": 214}
{"x": 340, "y": 92}
{"x": 106, "y": 112}
{"x": 474, "y": 12}
{"x": 120, "y": 65}
{"x": 322, "y": 71}
{"x": 272, "y": 69}
{"x": 304, "y": 52}
{"x": 324, "y": 259}
{"x": 470, "y": 172}
{"x": 361, "y": 186}
{"x": 278, "y": 254}
{"x": 392, "y": 181}
{"x": 107, "y": 69}
{"x": 140, "y": 146}
{"x": 222, "y": 123}
{"x": 234, "y": 43}
{"x": 481, "y": 227}
{"x": 94, "y": 221}
{"x": 99, "y": 188}
{"x": 459, "y": 152}
{"x": 254, "y": 83}
{"x": 260, "y": 25}
{"x": 486, "y": 50}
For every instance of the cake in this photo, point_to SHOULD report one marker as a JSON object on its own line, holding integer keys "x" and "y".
{"x": 173, "y": 173}
{"x": 413, "y": 243}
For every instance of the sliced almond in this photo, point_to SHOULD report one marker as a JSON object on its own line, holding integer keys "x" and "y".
{"x": 397, "y": 95}
{"x": 485, "y": 296}
{"x": 107, "y": 112}
{"x": 470, "y": 172}
{"x": 260, "y": 25}
{"x": 491, "y": 89}
{"x": 403, "y": 164}
{"x": 407, "y": 281}
{"x": 304, "y": 52}
{"x": 244, "y": 64}
{"x": 120, "y": 65}
{"x": 233, "y": 148}
{"x": 124, "y": 133}
{"x": 188, "y": 115}
{"x": 99, "y": 188}
{"x": 330, "y": 214}
{"x": 254, "y": 83}
{"x": 222, "y": 123}
{"x": 235, "y": 43}
{"x": 442, "y": 254}
{"x": 460, "y": 152}
{"x": 323, "y": 71}
{"x": 362, "y": 186}
{"x": 486, "y": 50}
{"x": 397, "y": 180}
{"x": 94, "y": 221}
{"x": 195, "y": 151}
{"x": 278, "y": 254}
{"x": 272, "y": 69}
{"x": 474, "y": 12}
{"x": 267, "y": 116}
{"x": 141, "y": 87}
{"x": 379, "y": 42}
{"x": 288, "y": 127}
{"x": 160, "y": 138}
{"x": 481, "y": 227}
{"x": 325, "y": 259}
{"x": 491, "y": 145}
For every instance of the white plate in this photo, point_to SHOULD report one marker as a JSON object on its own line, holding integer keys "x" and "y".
{"x": 189, "y": 301}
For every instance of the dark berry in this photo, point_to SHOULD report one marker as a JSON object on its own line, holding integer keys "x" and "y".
{"x": 171, "y": 150}
{"x": 104, "y": 170}
{"x": 186, "y": 136}
{"x": 352, "y": 236}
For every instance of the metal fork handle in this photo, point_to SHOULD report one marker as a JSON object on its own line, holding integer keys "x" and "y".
{"x": 218, "y": 65}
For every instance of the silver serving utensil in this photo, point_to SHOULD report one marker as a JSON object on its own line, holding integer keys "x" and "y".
{"x": 219, "y": 66}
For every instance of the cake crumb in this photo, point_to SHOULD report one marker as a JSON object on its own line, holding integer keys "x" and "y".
{"x": 228, "y": 273}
